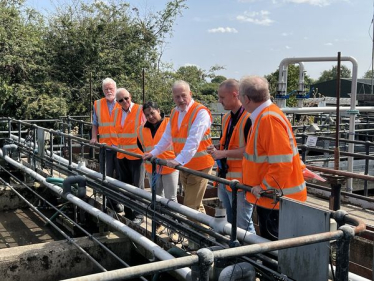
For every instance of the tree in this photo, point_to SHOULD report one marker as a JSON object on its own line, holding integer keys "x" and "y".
{"x": 368, "y": 74}
{"x": 331, "y": 74}
{"x": 218, "y": 79}
{"x": 105, "y": 39}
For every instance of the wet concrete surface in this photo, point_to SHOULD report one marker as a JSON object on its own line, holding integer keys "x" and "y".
{"x": 22, "y": 227}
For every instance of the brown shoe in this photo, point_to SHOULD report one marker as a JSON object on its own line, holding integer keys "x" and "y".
{"x": 174, "y": 237}
{"x": 160, "y": 229}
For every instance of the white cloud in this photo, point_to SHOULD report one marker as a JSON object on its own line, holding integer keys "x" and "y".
{"x": 319, "y": 3}
{"x": 288, "y": 47}
{"x": 285, "y": 34}
{"x": 260, "y": 18}
{"x": 328, "y": 44}
{"x": 223, "y": 30}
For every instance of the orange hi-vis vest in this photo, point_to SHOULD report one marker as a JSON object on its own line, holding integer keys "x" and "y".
{"x": 148, "y": 142}
{"x": 237, "y": 140}
{"x": 272, "y": 160}
{"x": 105, "y": 120}
{"x": 127, "y": 135}
{"x": 201, "y": 160}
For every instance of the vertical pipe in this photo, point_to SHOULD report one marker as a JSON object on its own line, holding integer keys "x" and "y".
{"x": 9, "y": 127}
{"x": 34, "y": 149}
{"x": 342, "y": 253}
{"x": 337, "y": 149}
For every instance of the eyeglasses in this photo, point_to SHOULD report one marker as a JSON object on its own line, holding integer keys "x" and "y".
{"x": 121, "y": 100}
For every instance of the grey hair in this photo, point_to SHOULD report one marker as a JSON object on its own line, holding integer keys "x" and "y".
{"x": 256, "y": 88}
{"x": 179, "y": 83}
{"x": 108, "y": 81}
{"x": 119, "y": 90}
{"x": 230, "y": 84}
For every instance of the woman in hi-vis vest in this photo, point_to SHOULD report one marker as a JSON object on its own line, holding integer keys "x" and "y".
{"x": 149, "y": 134}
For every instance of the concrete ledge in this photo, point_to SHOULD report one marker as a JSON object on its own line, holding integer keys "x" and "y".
{"x": 60, "y": 260}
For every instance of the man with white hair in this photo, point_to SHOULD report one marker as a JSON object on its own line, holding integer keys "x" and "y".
{"x": 189, "y": 133}
{"x": 128, "y": 118}
{"x": 102, "y": 121}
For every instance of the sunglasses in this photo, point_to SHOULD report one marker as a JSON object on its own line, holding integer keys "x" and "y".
{"x": 121, "y": 100}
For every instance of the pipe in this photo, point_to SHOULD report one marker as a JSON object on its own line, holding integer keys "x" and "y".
{"x": 69, "y": 181}
{"x": 325, "y": 109}
{"x": 353, "y": 111}
{"x": 115, "y": 224}
{"x": 240, "y": 271}
{"x": 220, "y": 225}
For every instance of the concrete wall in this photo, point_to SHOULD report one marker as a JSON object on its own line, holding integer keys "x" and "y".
{"x": 60, "y": 260}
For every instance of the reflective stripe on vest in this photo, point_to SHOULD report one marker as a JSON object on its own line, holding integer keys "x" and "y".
{"x": 285, "y": 158}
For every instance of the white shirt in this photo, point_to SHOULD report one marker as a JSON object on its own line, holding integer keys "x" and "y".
{"x": 198, "y": 128}
{"x": 125, "y": 113}
{"x": 257, "y": 111}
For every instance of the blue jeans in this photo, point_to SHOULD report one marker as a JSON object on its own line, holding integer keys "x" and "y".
{"x": 244, "y": 208}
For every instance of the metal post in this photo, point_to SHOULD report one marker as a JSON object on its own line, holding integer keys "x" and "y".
{"x": 69, "y": 144}
{"x": 342, "y": 253}
{"x": 336, "y": 187}
{"x": 337, "y": 149}
{"x": 234, "y": 239}
{"x": 303, "y": 150}
{"x": 51, "y": 149}
{"x": 367, "y": 150}
{"x": 9, "y": 126}
{"x": 153, "y": 203}
{"x": 34, "y": 149}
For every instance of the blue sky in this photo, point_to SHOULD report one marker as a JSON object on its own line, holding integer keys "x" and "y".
{"x": 253, "y": 36}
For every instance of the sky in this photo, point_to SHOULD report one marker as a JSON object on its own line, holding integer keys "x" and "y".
{"x": 252, "y": 37}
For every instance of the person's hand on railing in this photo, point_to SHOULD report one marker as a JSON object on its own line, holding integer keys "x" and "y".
{"x": 172, "y": 163}
{"x": 93, "y": 140}
{"x": 147, "y": 156}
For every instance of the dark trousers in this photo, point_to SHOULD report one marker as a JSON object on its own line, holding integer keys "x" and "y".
{"x": 132, "y": 172}
{"x": 111, "y": 163}
{"x": 268, "y": 221}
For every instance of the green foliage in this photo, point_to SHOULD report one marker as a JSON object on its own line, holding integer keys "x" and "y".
{"x": 331, "y": 74}
{"x": 368, "y": 74}
{"x": 48, "y": 65}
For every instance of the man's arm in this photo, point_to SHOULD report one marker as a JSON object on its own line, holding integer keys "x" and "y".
{"x": 94, "y": 134}
{"x": 200, "y": 125}
{"x": 232, "y": 153}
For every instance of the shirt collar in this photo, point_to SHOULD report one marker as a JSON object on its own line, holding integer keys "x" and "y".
{"x": 187, "y": 108}
{"x": 130, "y": 107}
{"x": 257, "y": 111}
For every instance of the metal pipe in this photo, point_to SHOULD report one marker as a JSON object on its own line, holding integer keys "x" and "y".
{"x": 352, "y": 111}
{"x": 59, "y": 211}
{"x": 219, "y": 225}
{"x": 239, "y": 271}
{"x": 68, "y": 238}
{"x": 69, "y": 181}
{"x": 115, "y": 224}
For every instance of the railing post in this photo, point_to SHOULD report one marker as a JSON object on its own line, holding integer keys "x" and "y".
{"x": 336, "y": 187}
{"x": 70, "y": 144}
{"x": 342, "y": 253}
{"x": 153, "y": 203}
{"x": 367, "y": 150}
{"x": 51, "y": 149}
{"x": 234, "y": 239}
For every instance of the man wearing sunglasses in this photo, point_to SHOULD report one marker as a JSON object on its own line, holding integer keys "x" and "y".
{"x": 102, "y": 120}
{"x": 128, "y": 118}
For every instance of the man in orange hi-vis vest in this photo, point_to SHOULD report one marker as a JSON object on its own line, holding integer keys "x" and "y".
{"x": 128, "y": 119}
{"x": 102, "y": 120}
{"x": 189, "y": 133}
{"x": 271, "y": 162}
{"x": 229, "y": 152}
